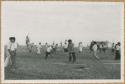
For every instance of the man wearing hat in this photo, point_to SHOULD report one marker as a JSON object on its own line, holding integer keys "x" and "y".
{"x": 12, "y": 47}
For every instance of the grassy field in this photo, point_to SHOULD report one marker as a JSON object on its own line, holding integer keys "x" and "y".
{"x": 33, "y": 66}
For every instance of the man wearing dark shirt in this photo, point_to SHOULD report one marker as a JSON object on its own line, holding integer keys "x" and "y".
{"x": 72, "y": 56}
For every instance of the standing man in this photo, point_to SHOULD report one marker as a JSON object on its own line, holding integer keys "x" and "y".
{"x": 12, "y": 48}
{"x": 65, "y": 47}
{"x": 104, "y": 47}
{"x": 28, "y": 43}
{"x": 91, "y": 45}
{"x": 39, "y": 48}
{"x": 53, "y": 48}
{"x": 80, "y": 47}
{"x": 72, "y": 56}
{"x": 95, "y": 47}
{"x": 46, "y": 45}
{"x": 113, "y": 47}
{"x": 117, "y": 51}
{"x": 27, "y": 40}
{"x": 48, "y": 51}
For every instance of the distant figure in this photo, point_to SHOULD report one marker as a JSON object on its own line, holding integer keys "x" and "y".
{"x": 48, "y": 51}
{"x": 80, "y": 47}
{"x": 113, "y": 47}
{"x": 72, "y": 56}
{"x": 117, "y": 51}
{"x": 27, "y": 40}
{"x": 60, "y": 44}
{"x": 104, "y": 47}
{"x": 28, "y": 43}
{"x": 101, "y": 47}
{"x": 95, "y": 47}
{"x": 66, "y": 41}
{"x": 12, "y": 48}
{"x": 91, "y": 46}
{"x": 39, "y": 48}
{"x": 32, "y": 45}
{"x": 45, "y": 47}
{"x": 46, "y": 44}
{"x": 56, "y": 48}
{"x": 53, "y": 48}
{"x": 65, "y": 47}
{"x": 56, "y": 45}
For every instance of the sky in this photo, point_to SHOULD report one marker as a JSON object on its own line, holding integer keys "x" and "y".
{"x": 57, "y": 21}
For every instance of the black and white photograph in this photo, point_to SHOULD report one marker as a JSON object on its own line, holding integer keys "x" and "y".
{"x": 62, "y": 42}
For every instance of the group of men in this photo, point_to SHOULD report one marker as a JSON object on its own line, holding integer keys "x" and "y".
{"x": 68, "y": 47}
{"x": 102, "y": 46}
{"x": 49, "y": 49}
{"x": 12, "y": 47}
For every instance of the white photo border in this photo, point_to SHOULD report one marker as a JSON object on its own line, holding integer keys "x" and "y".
{"x": 70, "y": 81}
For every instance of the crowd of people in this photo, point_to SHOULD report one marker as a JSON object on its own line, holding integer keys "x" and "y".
{"x": 103, "y": 46}
{"x": 68, "y": 47}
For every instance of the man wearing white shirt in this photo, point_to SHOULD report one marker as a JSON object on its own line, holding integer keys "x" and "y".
{"x": 39, "y": 47}
{"x": 95, "y": 47}
{"x": 80, "y": 47}
{"x": 66, "y": 47}
{"x": 12, "y": 47}
{"x": 48, "y": 51}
